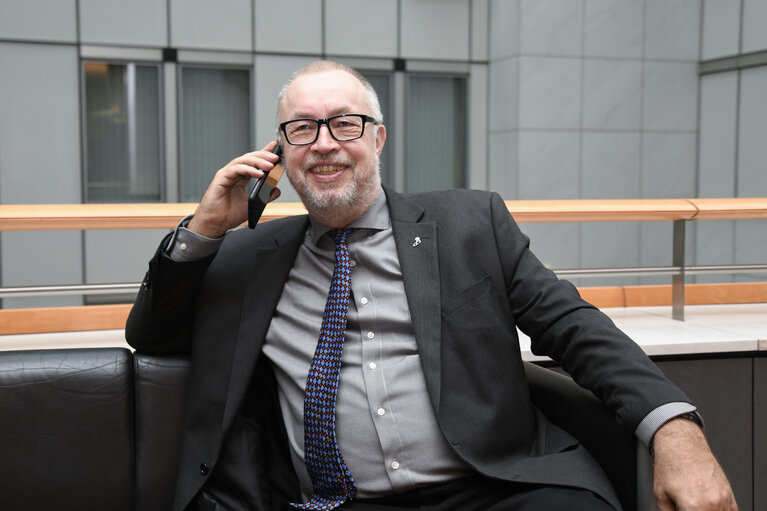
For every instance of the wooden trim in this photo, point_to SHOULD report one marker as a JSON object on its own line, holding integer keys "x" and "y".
{"x": 695, "y": 294}
{"x": 32, "y": 217}
{"x": 730, "y": 209}
{"x": 604, "y": 296}
{"x": 739, "y": 292}
{"x": 644, "y": 296}
{"x": 63, "y": 319}
{"x": 113, "y": 317}
{"x": 14, "y": 217}
{"x": 601, "y": 210}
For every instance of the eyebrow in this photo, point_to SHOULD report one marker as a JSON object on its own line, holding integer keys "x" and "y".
{"x": 344, "y": 109}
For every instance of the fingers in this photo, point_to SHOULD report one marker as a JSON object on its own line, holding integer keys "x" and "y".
{"x": 224, "y": 204}
{"x": 249, "y": 165}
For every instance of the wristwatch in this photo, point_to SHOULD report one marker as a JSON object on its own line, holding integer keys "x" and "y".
{"x": 692, "y": 416}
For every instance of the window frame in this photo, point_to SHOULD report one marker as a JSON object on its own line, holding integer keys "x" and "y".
{"x": 446, "y": 73}
{"x": 199, "y": 60}
{"x": 125, "y": 58}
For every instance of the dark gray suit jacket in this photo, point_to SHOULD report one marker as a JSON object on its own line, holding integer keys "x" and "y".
{"x": 470, "y": 283}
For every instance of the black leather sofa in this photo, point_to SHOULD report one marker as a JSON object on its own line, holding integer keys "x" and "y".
{"x": 98, "y": 429}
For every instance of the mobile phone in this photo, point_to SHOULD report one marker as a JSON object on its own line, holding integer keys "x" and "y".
{"x": 259, "y": 195}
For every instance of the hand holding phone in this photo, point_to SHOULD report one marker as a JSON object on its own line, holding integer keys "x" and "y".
{"x": 258, "y": 197}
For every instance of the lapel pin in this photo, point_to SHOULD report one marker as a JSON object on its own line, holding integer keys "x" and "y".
{"x": 416, "y": 241}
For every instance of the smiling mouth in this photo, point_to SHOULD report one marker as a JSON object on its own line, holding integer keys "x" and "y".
{"x": 326, "y": 170}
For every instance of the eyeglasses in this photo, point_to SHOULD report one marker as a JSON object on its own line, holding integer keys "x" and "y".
{"x": 342, "y": 127}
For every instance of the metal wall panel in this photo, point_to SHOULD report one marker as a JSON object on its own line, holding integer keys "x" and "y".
{"x": 372, "y": 33}
{"x": 39, "y": 20}
{"x": 39, "y": 162}
{"x": 202, "y": 24}
{"x": 117, "y": 22}
{"x": 304, "y": 17}
{"x": 760, "y": 433}
{"x": 435, "y": 29}
{"x": 722, "y": 391}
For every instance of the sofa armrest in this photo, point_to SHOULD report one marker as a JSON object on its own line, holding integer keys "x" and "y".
{"x": 581, "y": 414}
{"x": 160, "y": 384}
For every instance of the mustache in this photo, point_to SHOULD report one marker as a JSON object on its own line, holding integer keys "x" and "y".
{"x": 315, "y": 160}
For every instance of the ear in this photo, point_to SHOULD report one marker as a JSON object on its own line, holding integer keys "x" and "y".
{"x": 380, "y": 138}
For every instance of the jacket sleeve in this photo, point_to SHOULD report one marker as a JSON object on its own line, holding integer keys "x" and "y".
{"x": 562, "y": 326}
{"x": 161, "y": 318}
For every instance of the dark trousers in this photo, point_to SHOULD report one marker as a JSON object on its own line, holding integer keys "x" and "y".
{"x": 479, "y": 493}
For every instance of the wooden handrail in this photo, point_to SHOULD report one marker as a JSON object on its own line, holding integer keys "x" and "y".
{"x": 730, "y": 209}
{"x": 166, "y": 216}
{"x": 38, "y": 217}
{"x": 15, "y": 217}
{"x": 602, "y": 210}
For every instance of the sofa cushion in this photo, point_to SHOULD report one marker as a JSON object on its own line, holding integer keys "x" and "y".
{"x": 66, "y": 429}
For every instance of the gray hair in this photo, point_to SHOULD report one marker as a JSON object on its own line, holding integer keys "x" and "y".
{"x": 321, "y": 66}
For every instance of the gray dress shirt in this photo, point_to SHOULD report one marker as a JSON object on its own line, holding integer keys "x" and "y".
{"x": 385, "y": 425}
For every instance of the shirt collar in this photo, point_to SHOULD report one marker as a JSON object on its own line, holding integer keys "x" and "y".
{"x": 376, "y": 218}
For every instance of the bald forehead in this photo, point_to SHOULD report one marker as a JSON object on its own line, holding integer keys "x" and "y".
{"x": 332, "y": 92}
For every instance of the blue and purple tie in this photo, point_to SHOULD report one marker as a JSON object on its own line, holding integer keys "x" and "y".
{"x": 333, "y": 483}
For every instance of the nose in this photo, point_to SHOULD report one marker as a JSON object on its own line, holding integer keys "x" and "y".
{"x": 325, "y": 142}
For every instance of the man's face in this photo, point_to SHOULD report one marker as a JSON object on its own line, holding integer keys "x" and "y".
{"x": 328, "y": 174}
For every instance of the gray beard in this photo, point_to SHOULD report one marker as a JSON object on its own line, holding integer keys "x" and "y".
{"x": 324, "y": 202}
{"x": 354, "y": 198}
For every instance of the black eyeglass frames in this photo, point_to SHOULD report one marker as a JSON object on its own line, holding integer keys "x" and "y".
{"x": 342, "y": 127}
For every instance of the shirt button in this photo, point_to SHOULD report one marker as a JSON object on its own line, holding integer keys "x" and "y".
{"x": 364, "y": 301}
{"x": 371, "y": 335}
{"x": 352, "y": 263}
{"x": 372, "y": 365}
{"x": 395, "y": 464}
{"x": 183, "y": 246}
{"x": 381, "y": 412}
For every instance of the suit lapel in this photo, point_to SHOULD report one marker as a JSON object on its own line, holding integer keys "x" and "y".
{"x": 259, "y": 301}
{"x": 417, "y": 249}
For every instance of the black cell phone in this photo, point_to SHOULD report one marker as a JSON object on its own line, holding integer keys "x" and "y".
{"x": 259, "y": 195}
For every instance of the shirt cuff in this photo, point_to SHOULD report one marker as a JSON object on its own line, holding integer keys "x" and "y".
{"x": 186, "y": 245}
{"x": 661, "y": 415}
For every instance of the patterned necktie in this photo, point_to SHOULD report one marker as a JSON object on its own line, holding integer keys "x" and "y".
{"x": 333, "y": 483}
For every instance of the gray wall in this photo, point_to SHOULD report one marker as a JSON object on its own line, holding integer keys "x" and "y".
{"x": 605, "y": 106}
{"x": 592, "y": 99}
{"x": 729, "y": 393}
{"x": 567, "y": 99}
{"x": 39, "y": 159}
{"x": 732, "y": 149}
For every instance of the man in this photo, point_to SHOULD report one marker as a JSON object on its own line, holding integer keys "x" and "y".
{"x": 431, "y": 409}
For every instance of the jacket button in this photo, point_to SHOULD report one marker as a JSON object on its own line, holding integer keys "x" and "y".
{"x": 146, "y": 282}
{"x": 204, "y": 469}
